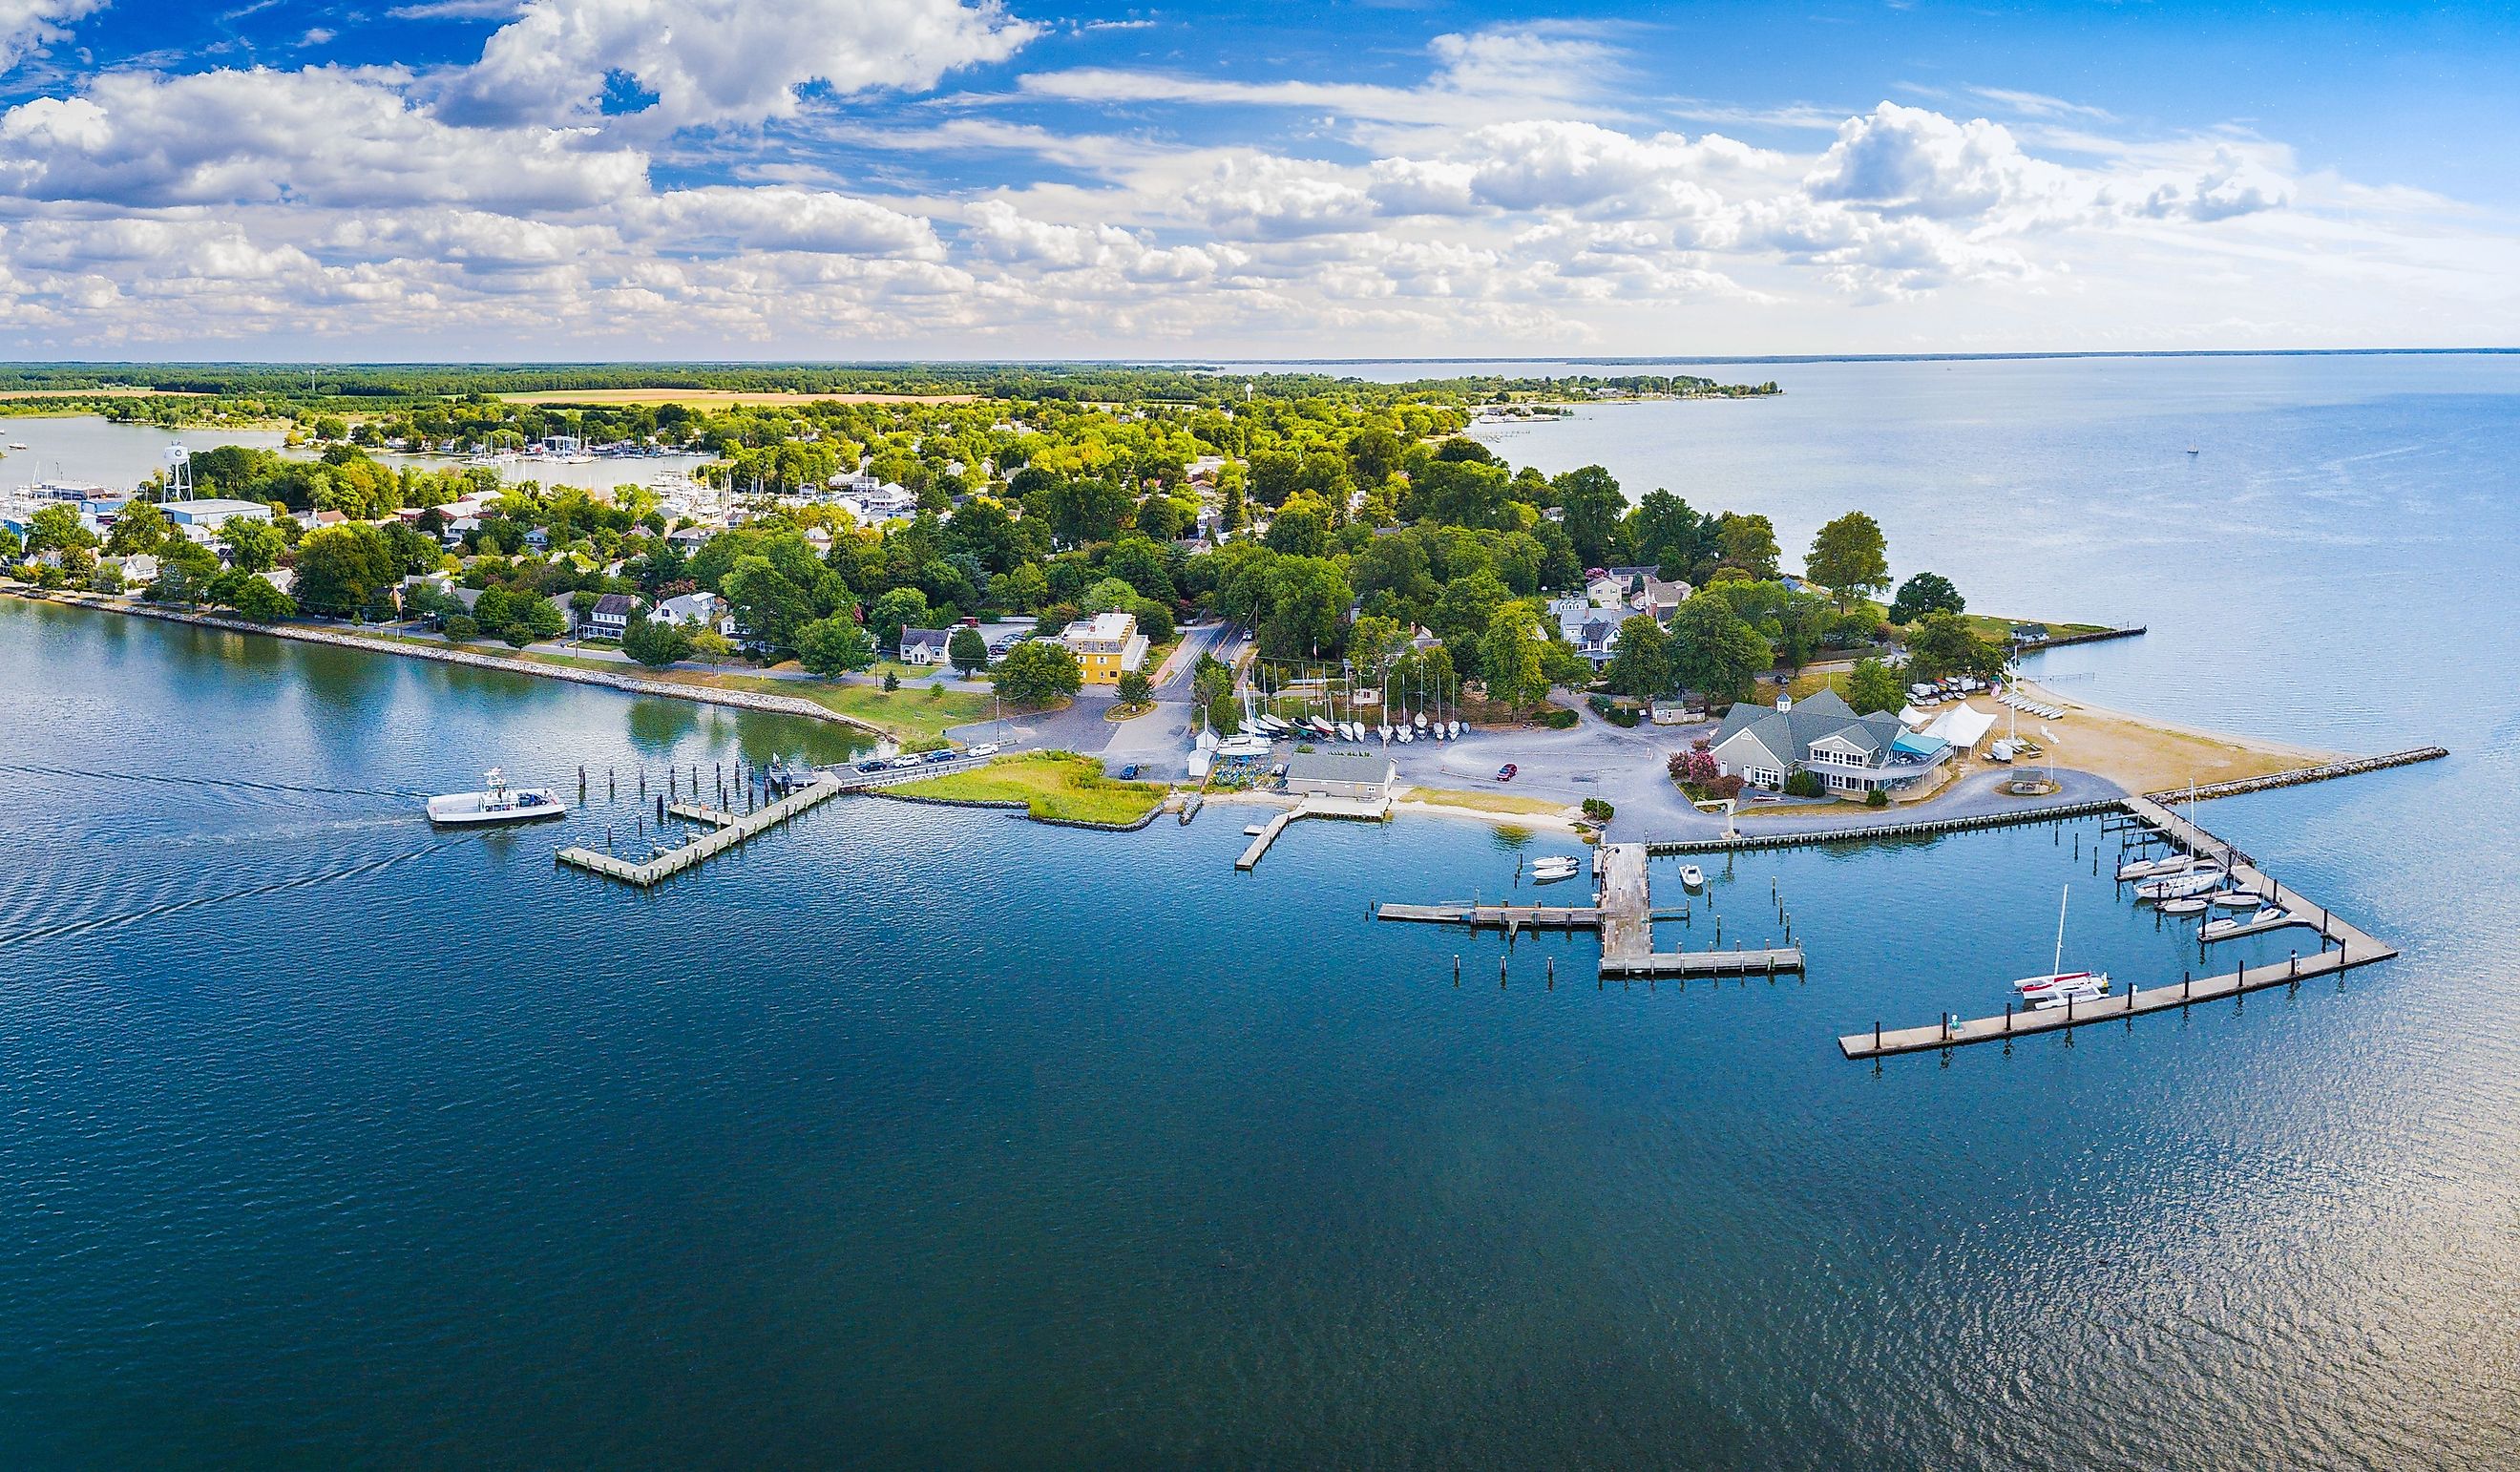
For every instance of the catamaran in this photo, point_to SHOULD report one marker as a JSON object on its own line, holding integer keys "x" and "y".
{"x": 2060, "y": 986}
{"x": 500, "y": 803}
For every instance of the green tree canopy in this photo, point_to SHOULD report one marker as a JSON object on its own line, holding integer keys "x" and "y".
{"x": 1925, "y": 592}
{"x": 1038, "y": 671}
{"x": 1640, "y": 659}
{"x": 967, "y": 651}
{"x": 1712, "y": 649}
{"x": 1874, "y": 687}
{"x": 836, "y": 645}
{"x": 1850, "y": 558}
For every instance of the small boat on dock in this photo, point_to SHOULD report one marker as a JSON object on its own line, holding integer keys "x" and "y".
{"x": 2058, "y": 986}
{"x": 498, "y": 803}
{"x": 1550, "y": 870}
{"x": 1691, "y": 877}
{"x": 2267, "y": 917}
{"x": 2235, "y": 899}
{"x": 2192, "y": 905}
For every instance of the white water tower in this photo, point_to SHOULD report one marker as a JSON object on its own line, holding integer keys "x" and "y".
{"x": 179, "y": 475}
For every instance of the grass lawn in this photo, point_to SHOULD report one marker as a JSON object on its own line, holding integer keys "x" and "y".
{"x": 1488, "y": 802}
{"x": 1050, "y": 787}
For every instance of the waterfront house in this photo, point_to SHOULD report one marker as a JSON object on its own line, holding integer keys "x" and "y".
{"x": 1359, "y": 775}
{"x": 699, "y": 610}
{"x": 1644, "y": 590}
{"x": 610, "y": 615}
{"x": 924, "y": 646}
{"x": 1851, "y": 754}
{"x": 1106, "y": 646}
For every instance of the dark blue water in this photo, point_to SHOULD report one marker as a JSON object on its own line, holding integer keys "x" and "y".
{"x": 917, "y": 1135}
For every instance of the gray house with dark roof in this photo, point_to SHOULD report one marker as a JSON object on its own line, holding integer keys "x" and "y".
{"x": 1851, "y": 754}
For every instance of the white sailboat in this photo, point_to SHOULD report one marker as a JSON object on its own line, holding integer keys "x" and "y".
{"x": 2058, "y": 986}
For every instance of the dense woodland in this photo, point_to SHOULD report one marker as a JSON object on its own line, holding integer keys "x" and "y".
{"x": 1351, "y": 516}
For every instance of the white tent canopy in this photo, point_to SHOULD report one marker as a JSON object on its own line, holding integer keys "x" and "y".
{"x": 1963, "y": 725}
{"x": 1912, "y": 718}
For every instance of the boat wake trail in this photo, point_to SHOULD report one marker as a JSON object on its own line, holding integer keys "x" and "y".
{"x": 210, "y": 781}
{"x": 159, "y": 911}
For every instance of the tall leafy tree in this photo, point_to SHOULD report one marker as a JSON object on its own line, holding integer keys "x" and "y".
{"x": 1850, "y": 558}
{"x": 1874, "y": 687}
{"x": 1925, "y": 592}
{"x": 835, "y": 645}
{"x": 1510, "y": 652}
{"x": 1038, "y": 671}
{"x": 1595, "y": 512}
{"x": 1640, "y": 659}
{"x": 1712, "y": 649}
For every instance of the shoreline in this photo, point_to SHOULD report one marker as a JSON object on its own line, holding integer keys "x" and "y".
{"x": 754, "y": 701}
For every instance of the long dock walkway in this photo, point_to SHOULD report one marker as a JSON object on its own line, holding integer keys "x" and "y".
{"x": 1623, "y": 912}
{"x": 732, "y": 828}
{"x": 2351, "y": 948}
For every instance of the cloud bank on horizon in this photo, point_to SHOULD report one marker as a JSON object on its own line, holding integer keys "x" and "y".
{"x": 962, "y": 178}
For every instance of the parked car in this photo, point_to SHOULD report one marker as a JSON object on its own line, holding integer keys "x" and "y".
{"x": 1506, "y": 773}
{"x": 941, "y": 754}
{"x": 877, "y": 765}
{"x": 985, "y": 749}
{"x": 1129, "y": 772}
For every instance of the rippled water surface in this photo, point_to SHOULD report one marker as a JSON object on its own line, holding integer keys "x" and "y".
{"x": 912, "y": 1136}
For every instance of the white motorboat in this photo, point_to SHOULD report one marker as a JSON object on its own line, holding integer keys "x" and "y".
{"x": 2058, "y": 986}
{"x": 2192, "y": 905}
{"x": 2234, "y": 899}
{"x": 1691, "y": 877}
{"x": 499, "y": 803}
{"x": 2180, "y": 886}
{"x": 2267, "y": 916}
{"x": 1550, "y": 870}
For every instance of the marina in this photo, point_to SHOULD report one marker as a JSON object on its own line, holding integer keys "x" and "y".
{"x": 2341, "y": 948}
{"x": 730, "y": 830}
{"x": 1622, "y": 912}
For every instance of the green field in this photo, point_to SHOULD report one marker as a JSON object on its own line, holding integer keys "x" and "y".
{"x": 1051, "y": 785}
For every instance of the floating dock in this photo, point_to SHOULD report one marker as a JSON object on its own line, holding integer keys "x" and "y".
{"x": 732, "y": 828}
{"x": 2341, "y": 948}
{"x": 1623, "y": 912}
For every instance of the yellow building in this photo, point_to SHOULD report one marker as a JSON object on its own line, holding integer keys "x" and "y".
{"x": 1106, "y": 646}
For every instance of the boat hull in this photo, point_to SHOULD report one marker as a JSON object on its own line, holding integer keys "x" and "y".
{"x": 464, "y": 810}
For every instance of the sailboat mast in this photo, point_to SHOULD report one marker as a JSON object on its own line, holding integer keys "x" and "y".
{"x": 2056, "y": 967}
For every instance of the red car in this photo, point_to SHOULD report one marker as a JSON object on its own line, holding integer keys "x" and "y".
{"x": 1504, "y": 773}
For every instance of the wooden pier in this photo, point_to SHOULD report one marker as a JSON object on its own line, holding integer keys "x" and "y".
{"x": 2341, "y": 948}
{"x": 1359, "y": 810}
{"x": 731, "y": 828}
{"x": 1623, "y": 912}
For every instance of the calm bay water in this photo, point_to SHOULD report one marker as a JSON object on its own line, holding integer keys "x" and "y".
{"x": 917, "y": 1136}
{"x": 86, "y": 449}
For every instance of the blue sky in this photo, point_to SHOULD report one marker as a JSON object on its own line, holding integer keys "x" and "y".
{"x": 957, "y": 178}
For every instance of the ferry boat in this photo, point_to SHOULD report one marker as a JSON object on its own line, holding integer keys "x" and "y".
{"x": 499, "y": 803}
